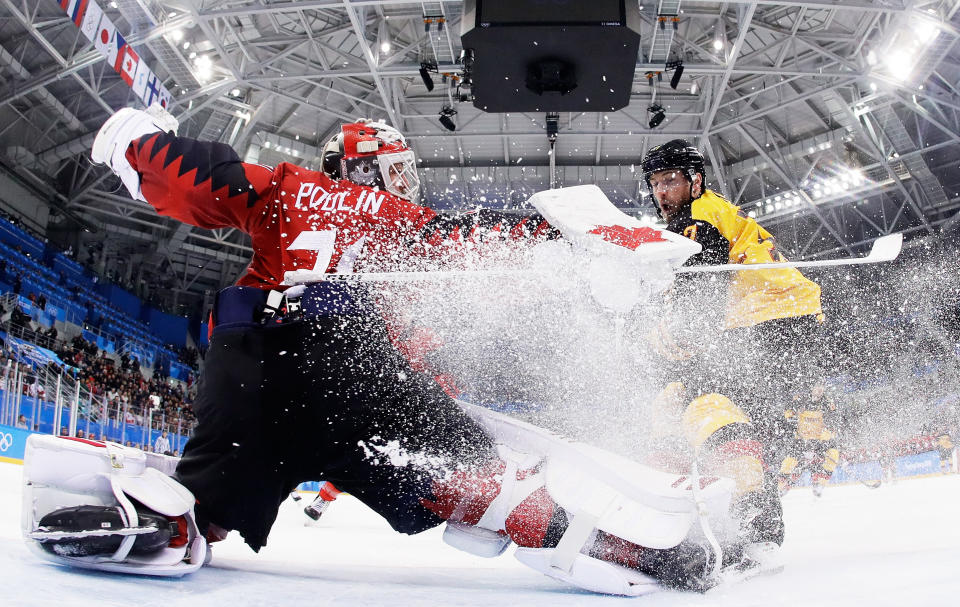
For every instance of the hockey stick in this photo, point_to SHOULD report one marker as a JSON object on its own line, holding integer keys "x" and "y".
{"x": 885, "y": 248}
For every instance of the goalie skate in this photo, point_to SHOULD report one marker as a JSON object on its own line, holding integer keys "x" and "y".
{"x": 93, "y": 530}
{"x": 756, "y": 559}
{"x": 99, "y": 506}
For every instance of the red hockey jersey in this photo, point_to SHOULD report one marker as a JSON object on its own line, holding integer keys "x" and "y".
{"x": 287, "y": 210}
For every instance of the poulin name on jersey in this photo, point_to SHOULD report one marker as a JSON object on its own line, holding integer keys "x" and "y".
{"x": 314, "y": 197}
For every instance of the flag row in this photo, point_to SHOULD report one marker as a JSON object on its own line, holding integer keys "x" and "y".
{"x": 100, "y": 30}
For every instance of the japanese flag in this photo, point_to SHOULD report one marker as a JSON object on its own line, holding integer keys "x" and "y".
{"x": 127, "y": 63}
{"x": 105, "y": 39}
{"x": 91, "y": 21}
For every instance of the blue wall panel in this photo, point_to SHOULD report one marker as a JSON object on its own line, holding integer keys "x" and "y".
{"x": 169, "y": 328}
{"x": 121, "y": 298}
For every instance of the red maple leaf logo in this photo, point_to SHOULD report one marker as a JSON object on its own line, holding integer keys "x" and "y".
{"x": 630, "y": 238}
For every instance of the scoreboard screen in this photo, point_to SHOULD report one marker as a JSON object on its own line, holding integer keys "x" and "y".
{"x": 503, "y": 12}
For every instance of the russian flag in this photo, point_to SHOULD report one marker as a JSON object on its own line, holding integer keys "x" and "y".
{"x": 75, "y": 9}
{"x": 79, "y": 10}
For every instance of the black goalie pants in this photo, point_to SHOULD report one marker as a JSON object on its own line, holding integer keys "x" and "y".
{"x": 320, "y": 398}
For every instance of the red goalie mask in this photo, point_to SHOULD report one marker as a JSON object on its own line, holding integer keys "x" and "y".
{"x": 373, "y": 154}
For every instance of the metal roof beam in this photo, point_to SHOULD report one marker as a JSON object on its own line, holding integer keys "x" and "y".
{"x": 395, "y": 118}
{"x": 792, "y": 184}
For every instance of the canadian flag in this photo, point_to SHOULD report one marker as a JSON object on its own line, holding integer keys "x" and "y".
{"x": 127, "y": 62}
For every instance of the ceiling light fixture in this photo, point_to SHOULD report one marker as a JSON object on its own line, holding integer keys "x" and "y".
{"x": 657, "y": 115}
{"x": 446, "y": 117}
{"x": 425, "y": 68}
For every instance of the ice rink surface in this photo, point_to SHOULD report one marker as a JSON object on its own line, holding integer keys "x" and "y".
{"x": 897, "y": 545}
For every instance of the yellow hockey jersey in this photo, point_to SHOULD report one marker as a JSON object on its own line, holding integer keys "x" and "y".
{"x": 729, "y": 236}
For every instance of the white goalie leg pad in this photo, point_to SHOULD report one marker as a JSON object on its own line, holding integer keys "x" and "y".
{"x": 628, "y": 500}
{"x": 62, "y": 473}
{"x": 488, "y": 538}
{"x": 114, "y": 137}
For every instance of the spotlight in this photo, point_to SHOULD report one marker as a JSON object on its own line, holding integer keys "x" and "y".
{"x": 446, "y": 117}
{"x": 425, "y": 68}
{"x": 677, "y": 74}
{"x": 658, "y": 115}
{"x": 553, "y": 126}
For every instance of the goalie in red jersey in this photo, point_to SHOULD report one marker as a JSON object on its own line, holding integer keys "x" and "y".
{"x": 303, "y": 383}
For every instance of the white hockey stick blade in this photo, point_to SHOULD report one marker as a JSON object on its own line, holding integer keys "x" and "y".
{"x": 885, "y": 248}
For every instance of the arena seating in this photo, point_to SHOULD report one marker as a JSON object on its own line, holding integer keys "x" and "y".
{"x": 74, "y": 295}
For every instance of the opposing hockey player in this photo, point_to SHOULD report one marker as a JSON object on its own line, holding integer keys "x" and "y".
{"x": 813, "y": 444}
{"x": 303, "y": 383}
{"x": 325, "y": 496}
{"x": 741, "y": 346}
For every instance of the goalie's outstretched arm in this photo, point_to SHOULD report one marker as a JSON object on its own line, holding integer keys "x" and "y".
{"x": 201, "y": 183}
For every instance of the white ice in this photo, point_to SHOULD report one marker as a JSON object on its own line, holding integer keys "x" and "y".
{"x": 897, "y": 545}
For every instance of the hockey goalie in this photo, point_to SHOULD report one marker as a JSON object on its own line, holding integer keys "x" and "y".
{"x": 301, "y": 382}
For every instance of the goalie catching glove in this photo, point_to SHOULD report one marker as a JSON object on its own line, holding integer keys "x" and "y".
{"x": 98, "y": 506}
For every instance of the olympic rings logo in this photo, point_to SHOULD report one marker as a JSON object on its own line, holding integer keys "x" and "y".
{"x": 6, "y": 441}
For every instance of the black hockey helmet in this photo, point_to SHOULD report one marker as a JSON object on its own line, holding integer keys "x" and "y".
{"x": 676, "y": 154}
{"x": 331, "y": 155}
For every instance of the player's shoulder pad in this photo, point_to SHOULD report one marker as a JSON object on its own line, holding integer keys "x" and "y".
{"x": 710, "y": 206}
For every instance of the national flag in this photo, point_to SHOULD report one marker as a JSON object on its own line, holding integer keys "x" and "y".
{"x": 104, "y": 40}
{"x": 140, "y": 79}
{"x": 152, "y": 93}
{"x": 91, "y": 21}
{"x": 120, "y": 43}
{"x": 127, "y": 63}
{"x": 79, "y": 8}
{"x": 165, "y": 98}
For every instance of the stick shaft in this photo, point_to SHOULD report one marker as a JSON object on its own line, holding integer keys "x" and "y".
{"x": 886, "y": 248}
